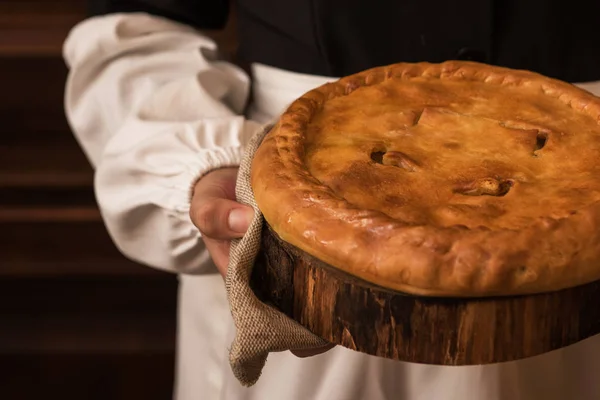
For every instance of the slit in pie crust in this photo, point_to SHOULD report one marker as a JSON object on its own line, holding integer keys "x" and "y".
{"x": 452, "y": 179}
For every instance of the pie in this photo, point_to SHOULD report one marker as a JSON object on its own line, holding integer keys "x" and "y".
{"x": 456, "y": 179}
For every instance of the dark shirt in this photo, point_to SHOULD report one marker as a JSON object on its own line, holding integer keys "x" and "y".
{"x": 558, "y": 38}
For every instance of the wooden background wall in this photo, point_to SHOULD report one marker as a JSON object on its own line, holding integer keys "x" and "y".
{"x": 77, "y": 320}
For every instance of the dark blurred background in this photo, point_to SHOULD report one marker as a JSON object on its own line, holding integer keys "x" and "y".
{"x": 77, "y": 319}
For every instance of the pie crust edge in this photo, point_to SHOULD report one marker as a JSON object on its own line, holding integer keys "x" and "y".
{"x": 548, "y": 255}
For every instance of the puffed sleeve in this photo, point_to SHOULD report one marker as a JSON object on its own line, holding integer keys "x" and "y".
{"x": 153, "y": 114}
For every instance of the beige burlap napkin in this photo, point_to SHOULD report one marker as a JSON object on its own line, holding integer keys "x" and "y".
{"x": 260, "y": 328}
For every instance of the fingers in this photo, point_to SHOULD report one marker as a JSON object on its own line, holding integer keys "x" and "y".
{"x": 219, "y": 252}
{"x": 221, "y": 219}
{"x": 218, "y": 183}
{"x": 214, "y": 210}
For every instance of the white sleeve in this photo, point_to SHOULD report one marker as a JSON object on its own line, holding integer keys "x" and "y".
{"x": 153, "y": 114}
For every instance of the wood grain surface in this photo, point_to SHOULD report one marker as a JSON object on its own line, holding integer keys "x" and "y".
{"x": 445, "y": 331}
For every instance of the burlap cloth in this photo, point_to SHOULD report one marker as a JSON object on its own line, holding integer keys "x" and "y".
{"x": 260, "y": 328}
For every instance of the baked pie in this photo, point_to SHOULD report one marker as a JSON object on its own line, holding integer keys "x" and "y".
{"x": 456, "y": 179}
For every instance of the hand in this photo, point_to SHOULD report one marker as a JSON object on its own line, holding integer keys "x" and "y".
{"x": 217, "y": 215}
{"x": 220, "y": 218}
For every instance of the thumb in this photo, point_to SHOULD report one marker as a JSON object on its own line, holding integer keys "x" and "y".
{"x": 213, "y": 208}
{"x": 222, "y": 219}
{"x": 239, "y": 219}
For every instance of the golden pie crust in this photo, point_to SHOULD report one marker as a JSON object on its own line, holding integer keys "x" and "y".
{"x": 456, "y": 179}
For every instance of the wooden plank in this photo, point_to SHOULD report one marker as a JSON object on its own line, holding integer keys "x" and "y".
{"x": 43, "y": 175}
{"x": 87, "y": 333}
{"x": 35, "y": 173}
{"x": 25, "y": 156}
{"x": 29, "y": 27}
{"x": 78, "y": 319}
{"x": 32, "y": 99}
{"x": 43, "y": 179}
{"x": 77, "y": 295}
{"x": 104, "y": 376}
{"x": 88, "y": 315}
{"x": 44, "y": 215}
{"x": 36, "y": 27}
{"x": 80, "y": 338}
{"x": 53, "y": 199}
{"x": 63, "y": 242}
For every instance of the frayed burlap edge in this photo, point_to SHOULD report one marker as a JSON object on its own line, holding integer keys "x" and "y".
{"x": 260, "y": 329}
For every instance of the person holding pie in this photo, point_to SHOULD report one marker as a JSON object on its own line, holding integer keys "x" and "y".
{"x": 165, "y": 120}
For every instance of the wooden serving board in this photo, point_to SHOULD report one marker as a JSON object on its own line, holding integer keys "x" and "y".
{"x": 446, "y": 331}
